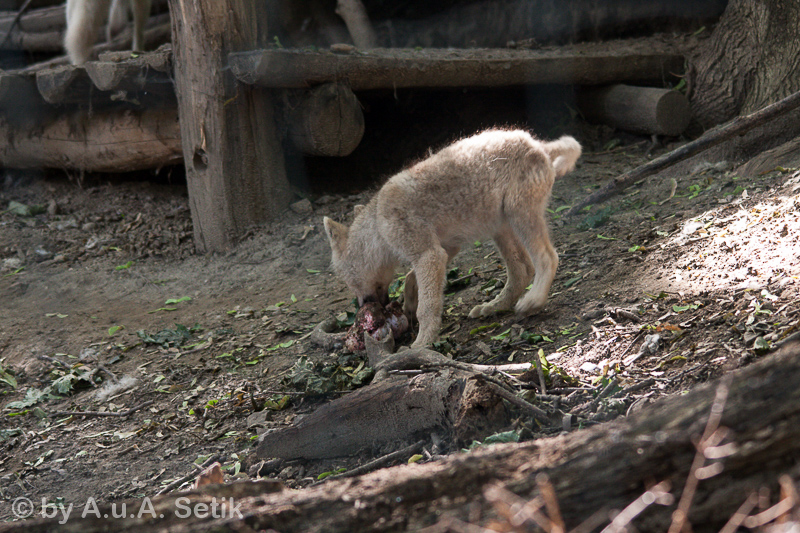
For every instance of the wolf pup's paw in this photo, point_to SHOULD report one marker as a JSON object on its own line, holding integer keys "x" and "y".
{"x": 527, "y": 306}
{"x": 485, "y": 310}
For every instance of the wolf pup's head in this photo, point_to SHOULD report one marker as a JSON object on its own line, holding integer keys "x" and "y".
{"x": 357, "y": 261}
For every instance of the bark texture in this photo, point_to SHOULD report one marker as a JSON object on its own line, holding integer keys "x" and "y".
{"x": 111, "y": 141}
{"x": 751, "y": 60}
{"x": 233, "y": 157}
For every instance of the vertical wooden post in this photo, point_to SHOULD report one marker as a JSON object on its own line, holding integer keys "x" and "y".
{"x": 234, "y": 162}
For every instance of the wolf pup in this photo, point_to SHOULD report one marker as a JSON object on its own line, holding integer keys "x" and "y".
{"x": 86, "y": 17}
{"x": 495, "y": 184}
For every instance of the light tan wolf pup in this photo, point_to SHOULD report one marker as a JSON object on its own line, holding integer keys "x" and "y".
{"x": 495, "y": 184}
{"x": 86, "y": 17}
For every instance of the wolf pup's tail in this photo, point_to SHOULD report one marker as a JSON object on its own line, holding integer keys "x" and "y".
{"x": 563, "y": 153}
{"x": 84, "y": 20}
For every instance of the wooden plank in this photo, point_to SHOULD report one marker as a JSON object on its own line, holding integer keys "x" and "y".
{"x": 106, "y": 141}
{"x": 585, "y": 64}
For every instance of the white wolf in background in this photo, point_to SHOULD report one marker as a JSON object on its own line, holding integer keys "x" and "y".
{"x": 86, "y": 17}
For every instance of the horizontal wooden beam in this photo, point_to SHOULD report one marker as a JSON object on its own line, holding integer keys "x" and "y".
{"x": 585, "y": 64}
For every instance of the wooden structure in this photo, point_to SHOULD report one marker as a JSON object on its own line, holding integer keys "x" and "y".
{"x": 238, "y": 97}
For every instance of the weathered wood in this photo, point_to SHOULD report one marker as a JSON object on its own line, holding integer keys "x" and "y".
{"x": 646, "y": 110}
{"x": 588, "y": 64}
{"x": 603, "y": 468}
{"x": 392, "y": 410}
{"x": 150, "y": 72}
{"x": 786, "y": 155}
{"x": 355, "y": 17}
{"x": 713, "y": 137}
{"x": 327, "y": 121}
{"x": 233, "y": 157}
{"x": 65, "y": 84}
{"x": 20, "y": 101}
{"x": 100, "y": 141}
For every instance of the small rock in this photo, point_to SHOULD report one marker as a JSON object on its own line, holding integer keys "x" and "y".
{"x": 11, "y": 263}
{"x": 89, "y": 226}
{"x": 325, "y": 199}
{"x": 52, "y": 208}
{"x": 342, "y": 48}
{"x": 589, "y": 367}
{"x": 303, "y": 207}
{"x": 60, "y": 258}
{"x": 40, "y": 254}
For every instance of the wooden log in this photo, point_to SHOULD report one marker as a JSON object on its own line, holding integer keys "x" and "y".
{"x": 713, "y": 137}
{"x": 393, "y": 410}
{"x": 327, "y": 121}
{"x": 65, "y": 84}
{"x": 646, "y": 110}
{"x": 233, "y": 156}
{"x": 97, "y": 142}
{"x": 588, "y": 64}
{"x": 150, "y": 72}
{"x": 355, "y": 17}
{"x": 21, "y": 104}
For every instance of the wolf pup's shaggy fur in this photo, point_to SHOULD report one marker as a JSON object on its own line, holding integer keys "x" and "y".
{"x": 495, "y": 184}
{"x": 86, "y": 17}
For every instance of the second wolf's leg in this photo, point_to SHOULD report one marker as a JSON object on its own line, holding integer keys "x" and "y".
{"x": 84, "y": 19}
{"x": 141, "y": 12}
{"x": 429, "y": 270}
{"x": 520, "y": 272}
{"x": 117, "y": 19}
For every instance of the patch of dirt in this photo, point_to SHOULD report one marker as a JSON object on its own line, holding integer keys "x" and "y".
{"x": 712, "y": 270}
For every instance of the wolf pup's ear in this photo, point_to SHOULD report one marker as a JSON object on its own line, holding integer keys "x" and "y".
{"x": 337, "y": 234}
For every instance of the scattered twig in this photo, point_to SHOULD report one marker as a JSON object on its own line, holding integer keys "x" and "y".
{"x": 180, "y": 481}
{"x": 649, "y": 382}
{"x": 658, "y": 494}
{"x": 519, "y": 402}
{"x": 94, "y": 414}
{"x": 380, "y": 461}
{"x": 681, "y": 514}
{"x": 602, "y": 394}
{"x": 542, "y": 385}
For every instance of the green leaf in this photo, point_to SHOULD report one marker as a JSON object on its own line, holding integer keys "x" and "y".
{"x": 294, "y": 300}
{"x": 172, "y": 301}
{"x": 604, "y": 238}
{"x": 113, "y": 329}
{"x": 501, "y": 336}
{"x": 125, "y": 266}
{"x": 415, "y": 458}
{"x": 312, "y": 271}
{"x": 484, "y": 328}
{"x": 281, "y": 345}
{"x": 506, "y": 436}
{"x": 277, "y": 403}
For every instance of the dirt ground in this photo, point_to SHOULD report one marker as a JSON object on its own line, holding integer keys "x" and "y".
{"x": 91, "y": 284}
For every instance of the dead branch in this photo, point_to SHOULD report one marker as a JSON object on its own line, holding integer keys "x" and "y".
{"x": 713, "y": 137}
{"x": 380, "y": 462}
{"x": 99, "y": 414}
